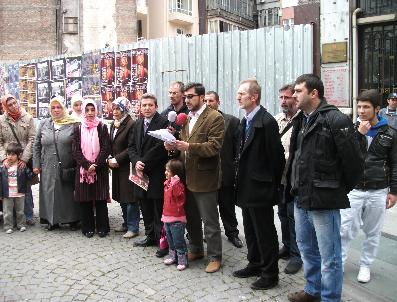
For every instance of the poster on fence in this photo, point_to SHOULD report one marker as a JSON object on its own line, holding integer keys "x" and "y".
{"x": 91, "y": 86}
{"x": 107, "y": 93}
{"x": 139, "y": 66}
{"x": 91, "y": 76}
{"x": 123, "y": 67}
{"x": 107, "y": 69}
{"x": 3, "y": 79}
{"x": 73, "y": 67}
{"x": 58, "y": 69}
{"x": 27, "y": 87}
{"x": 43, "y": 71}
{"x": 58, "y": 88}
{"x": 73, "y": 86}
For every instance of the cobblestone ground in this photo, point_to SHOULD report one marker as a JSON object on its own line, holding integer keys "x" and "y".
{"x": 63, "y": 265}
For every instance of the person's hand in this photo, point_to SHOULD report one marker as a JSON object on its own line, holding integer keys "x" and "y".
{"x": 113, "y": 165}
{"x": 91, "y": 168}
{"x": 139, "y": 166}
{"x": 6, "y": 164}
{"x": 171, "y": 130}
{"x": 36, "y": 171}
{"x": 21, "y": 164}
{"x": 181, "y": 145}
{"x": 364, "y": 127}
{"x": 391, "y": 200}
{"x": 169, "y": 147}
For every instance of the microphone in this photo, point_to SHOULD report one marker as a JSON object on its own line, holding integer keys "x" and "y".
{"x": 171, "y": 117}
{"x": 181, "y": 119}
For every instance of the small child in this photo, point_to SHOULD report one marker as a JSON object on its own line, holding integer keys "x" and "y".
{"x": 13, "y": 187}
{"x": 174, "y": 216}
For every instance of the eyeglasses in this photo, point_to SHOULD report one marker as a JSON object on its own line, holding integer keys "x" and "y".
{"x": 190, "y": 96}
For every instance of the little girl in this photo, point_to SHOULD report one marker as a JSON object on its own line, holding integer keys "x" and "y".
{"x": 174, "y": 217}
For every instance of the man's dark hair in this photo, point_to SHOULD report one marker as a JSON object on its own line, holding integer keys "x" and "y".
{"x": 198, "y": 88}
{"x": 149, "y": 96}
{"x": 180, "y": 84}
{"x": 311, "y": 82}
{"x": 214, "y": 93}
{"x": 369, "y": 95}
{"x": 290, "y": 87}
{"x": 14, "y": 148}
{"x": 176, "y": 167}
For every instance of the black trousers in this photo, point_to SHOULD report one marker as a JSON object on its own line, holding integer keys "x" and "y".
{"x": 285, "y": 231}
{"x": 152, "y": 209}
{"x": 100, "y": 220}
{"x": 227, "y": 211}
{"x": 262, "y": 242}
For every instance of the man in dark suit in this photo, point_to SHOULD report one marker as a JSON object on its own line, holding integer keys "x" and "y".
{"x": 259, "y": 170}
{"x": 200, "y": 146}
{"x": 148, "y": 156}
{"x": 228, "y": 155}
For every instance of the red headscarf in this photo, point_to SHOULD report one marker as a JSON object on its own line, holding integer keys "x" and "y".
{"x": 14, "y": 115}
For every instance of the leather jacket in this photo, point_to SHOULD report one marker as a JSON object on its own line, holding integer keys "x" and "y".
{"x": 380, "y": 167}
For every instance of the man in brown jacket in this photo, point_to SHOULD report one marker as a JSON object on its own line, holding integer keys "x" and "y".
{"x": 200, "y": 146}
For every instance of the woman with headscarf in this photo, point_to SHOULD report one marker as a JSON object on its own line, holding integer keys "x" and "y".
{"x": 119, "y": 162}
{"x": 76, "y": 103}
{"x": 91, "y": 148}
{"x": 53, "y": 145}
{"x": 16, "y": 125}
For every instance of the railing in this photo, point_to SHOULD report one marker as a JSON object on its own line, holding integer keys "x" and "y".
{"x": 181, "y": 6}
{"x": 377, "y": 7}
{"x": 241, "y": 8}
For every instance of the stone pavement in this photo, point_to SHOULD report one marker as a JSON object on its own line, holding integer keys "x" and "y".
{"x": 63, "y": 265}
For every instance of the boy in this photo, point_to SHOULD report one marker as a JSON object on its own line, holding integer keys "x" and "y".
{"x": 13, "y": 188}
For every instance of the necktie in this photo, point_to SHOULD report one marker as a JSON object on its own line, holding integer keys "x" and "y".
{"x": 145, "y": 126}
{"x": 247, "y": 129}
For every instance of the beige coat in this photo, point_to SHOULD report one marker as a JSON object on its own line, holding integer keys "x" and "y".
{"x": 24, "y": 128}
{"x": 202, "y": 160}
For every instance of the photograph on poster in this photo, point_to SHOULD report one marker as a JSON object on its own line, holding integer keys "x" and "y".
{"x": 13, "y": 88}
{"x": 73, "y": 67}
{"x": 32, "y": 98}
{"x": 107, "y": 93}
{"x": 13, "y": 73}
{"x": 58, "y": 88}
{"x": 23, "y": 71}
{"x": 58, "y": 69}
{"x": 43, "y": 71}
{"x": 73, "y": 85}
{"x": 107, "y": 68}
{"x": 91, "y": 86}
{"x": 31, "y": 86}
{"x": 123, "y": 67}
{"x": 32, "y": 71}
{"x": 90, "y": 64}
{"x": 43, "y": 90}
{"x": 139, "y": 66}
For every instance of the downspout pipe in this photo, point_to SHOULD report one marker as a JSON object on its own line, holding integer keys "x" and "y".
{"x": 355, "y": 60}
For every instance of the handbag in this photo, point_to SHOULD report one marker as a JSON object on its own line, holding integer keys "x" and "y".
{"x": 65, "y": 174}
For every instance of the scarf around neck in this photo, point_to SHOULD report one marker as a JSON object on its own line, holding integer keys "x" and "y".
{"x": 13, "y": 115}
{"x": 65, "y": 119}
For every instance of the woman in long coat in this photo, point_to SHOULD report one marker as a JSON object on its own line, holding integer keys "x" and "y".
{"x": 91, "y": 148}
{"x": 57, "y": 203}
{"x": 119, "y": 162}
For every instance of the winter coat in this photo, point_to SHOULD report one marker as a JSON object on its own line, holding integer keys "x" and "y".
{"x": 174, "y": 198}
{"x": 56, "y": 196}
{"x": 99, "y": 190}
{"x": 23, "y": 176}
{"x": 122, "y": 187}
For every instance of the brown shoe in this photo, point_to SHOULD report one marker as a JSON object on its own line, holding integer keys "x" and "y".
{"x": 303, "y": 296}
{"x": 194, "y": 256}
{"x": 213, "y": 266}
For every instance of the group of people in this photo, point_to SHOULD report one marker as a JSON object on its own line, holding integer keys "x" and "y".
{"x": 327, "y": 176}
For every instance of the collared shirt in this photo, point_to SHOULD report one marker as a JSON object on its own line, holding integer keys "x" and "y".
{"x": 146, "y": 123}
{"x": 282, "y": 121}
{"x": 194, "y": 117}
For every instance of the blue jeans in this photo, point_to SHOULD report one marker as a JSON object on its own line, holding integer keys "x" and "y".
{"x": 28, "y": 210}
{"x": 318, "y": 238}
{"x": 131, "y": 215}
{"x": 175, "y": 232}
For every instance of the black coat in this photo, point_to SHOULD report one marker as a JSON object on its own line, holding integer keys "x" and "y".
{"x": 122, "y": 187}
{"x": 229, "y": 150}
{"x": 261, "y": 163}
{"x": 150, "y": 151}
{"x": 331, "y": 161}
{"x": 23, "y": 176}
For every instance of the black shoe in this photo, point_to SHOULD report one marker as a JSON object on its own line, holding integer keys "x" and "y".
{"x": 74, "y": 226}
{"x": 160, "y": 253}
{"x": 283, "y": 253}
{"x": 102, "y": 234}
{"x": 145, "y": 242}
{"x": 293, "y": 267}
{"x": 265, "y": 283}
{"x": 88, "y": 234}
{"x": 52, "y": 227}
{"x": 235, "y": 241}
{"x": 247, "y": 272}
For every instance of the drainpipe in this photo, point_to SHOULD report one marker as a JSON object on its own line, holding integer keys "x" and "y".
{"x": 355, "y": 59}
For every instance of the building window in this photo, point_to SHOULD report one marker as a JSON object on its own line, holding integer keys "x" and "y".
{"x": 180, "y": 31}
{"x": 70, "y": 25}
{"x": 269, "y": 17}
{"x": 181, "y": 6}
{"x": 216, "y": 26}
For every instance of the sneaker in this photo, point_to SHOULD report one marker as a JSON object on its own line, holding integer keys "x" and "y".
{"x": 22, "y": 229}
{"x": 9, "y": 231}
{"x": 364, "y": 275}
{"x": 130, "y": 235}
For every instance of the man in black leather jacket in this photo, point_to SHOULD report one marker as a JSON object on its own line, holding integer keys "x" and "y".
{"x": 377, "y": 189}
{"x": 324, "y": 164}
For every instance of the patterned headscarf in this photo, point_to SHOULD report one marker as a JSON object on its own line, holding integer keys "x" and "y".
{"x": 13, "y": 115}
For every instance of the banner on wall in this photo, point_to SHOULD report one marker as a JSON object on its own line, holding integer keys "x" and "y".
{"x": 123, "y": 68}
{"x": 91, "y": 75}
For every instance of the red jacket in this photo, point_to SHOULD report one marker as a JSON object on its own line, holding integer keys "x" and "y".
{"x": 174, "y": 198}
